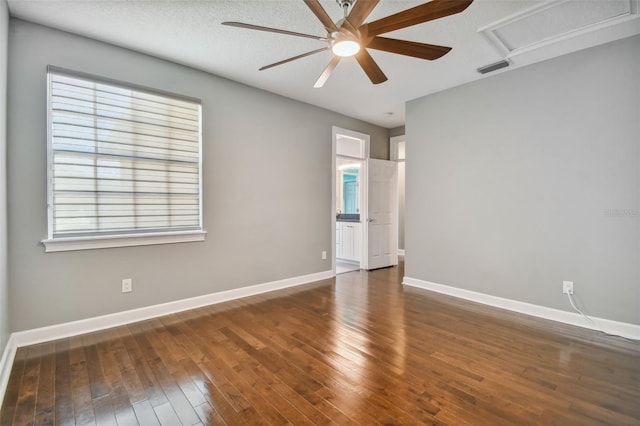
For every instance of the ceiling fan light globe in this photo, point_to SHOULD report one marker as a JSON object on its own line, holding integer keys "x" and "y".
{"x": 345, "y": 48}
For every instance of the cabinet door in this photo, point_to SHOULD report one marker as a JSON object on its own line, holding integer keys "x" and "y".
{"x": 357, "y": 242}
{"x": 347, "y": 241}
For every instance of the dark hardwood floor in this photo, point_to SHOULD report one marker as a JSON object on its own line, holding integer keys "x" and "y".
{"x": 360, "y": 349}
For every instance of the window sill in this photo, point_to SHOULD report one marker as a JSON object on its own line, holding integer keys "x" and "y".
{"x": 112, "y": 241}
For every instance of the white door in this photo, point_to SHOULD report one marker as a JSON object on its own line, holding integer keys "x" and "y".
{"x": 381, "y": 222}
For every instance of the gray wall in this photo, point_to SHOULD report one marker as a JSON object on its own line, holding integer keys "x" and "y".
{"x": 4, "y": 301}
{"x": 396, "y": 131}
{"x": 379, "y": 144}
{"x": 267, "y": 188}
{"x": 522, "y": 180}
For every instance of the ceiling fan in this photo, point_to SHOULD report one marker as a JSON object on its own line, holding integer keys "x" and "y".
{"x": 351, "y": 37}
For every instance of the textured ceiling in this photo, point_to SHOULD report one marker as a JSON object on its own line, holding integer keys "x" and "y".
{"x": 189, "y": 32}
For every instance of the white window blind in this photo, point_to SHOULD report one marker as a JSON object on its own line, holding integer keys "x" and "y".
{"x": 122, "y": 160}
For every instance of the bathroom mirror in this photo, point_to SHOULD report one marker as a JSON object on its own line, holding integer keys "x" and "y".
{"x": 348, "y": 189}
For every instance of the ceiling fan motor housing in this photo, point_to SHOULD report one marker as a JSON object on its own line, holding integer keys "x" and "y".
{"x": 345, "y": 5}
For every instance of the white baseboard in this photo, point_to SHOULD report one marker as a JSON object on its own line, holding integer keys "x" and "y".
{"x": 88, "y": 325}
{"x": 6, "y": 363}
{"x": 400, "y": 252}
{"x": 631, "y": 331}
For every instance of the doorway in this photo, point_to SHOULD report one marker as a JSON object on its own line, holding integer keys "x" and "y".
{"x": 349, "y": 203}
{"x": 364, "y": 205}
{"x": 350, "y": 150}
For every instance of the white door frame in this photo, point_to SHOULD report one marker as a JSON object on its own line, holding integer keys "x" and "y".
{"x": 335, "y": 131}
{"x": 393, "y": 156}
{"x": 393, "y": 146}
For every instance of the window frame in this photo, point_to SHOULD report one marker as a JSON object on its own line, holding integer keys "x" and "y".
{"x": 124, "y": 239}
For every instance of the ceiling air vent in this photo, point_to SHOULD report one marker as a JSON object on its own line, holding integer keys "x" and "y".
{"x": 493, "y": 67}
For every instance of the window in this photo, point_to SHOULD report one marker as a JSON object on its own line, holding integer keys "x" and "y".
{"x": 124, "y": 165}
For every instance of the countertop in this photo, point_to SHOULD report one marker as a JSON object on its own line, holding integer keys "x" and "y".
{"x": 348, "y": 217}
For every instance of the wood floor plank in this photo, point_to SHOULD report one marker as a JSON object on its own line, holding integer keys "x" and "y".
{"x": 97, "y": 382}
{"x": 63, "y": 408}
{"x": 126, "y": 417}
{"x": 213, "y": 390}
{"x": 357, "y": 349}
{"x": 13, "y": 387}
{"x": 145, "y": 414}
{"x": 177, "y": 400}
{"x": 133, "y": 387}
{"x": 167, "y": 415}
{"x": 120, "y": 397}
{"x": 171, "y": 344}
{"x": 45, "y": 399}
{"x": 26, "y": 403}
{"x": 147, "y": 380}
{"x": 104, "y": 411}
{"x": 208, "y": 415}
{"x": 80, "y": 386}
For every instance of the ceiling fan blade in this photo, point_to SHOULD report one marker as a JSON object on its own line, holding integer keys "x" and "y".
{"x": 408, "y": 48}
{"x": 272, "y": 30}
{"x": 370, "y": 67}
{"x": 360, "y": 11}
{"x": 284, "y": 61}
{"x": 321, "y": 14}
{"x": 327, "y": 72}
{"x": 416, "y": 15}
{"x": 346, "y": 25}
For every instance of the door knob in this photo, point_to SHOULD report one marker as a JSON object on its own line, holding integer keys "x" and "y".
{"x": 369, "y": 219}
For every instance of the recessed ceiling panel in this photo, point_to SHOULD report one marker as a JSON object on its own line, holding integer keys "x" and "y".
{"x": 559, "y": 19}
{"x": 555, "y": 21}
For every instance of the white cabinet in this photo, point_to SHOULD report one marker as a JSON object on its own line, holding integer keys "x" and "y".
{"x": 348, "y": 241}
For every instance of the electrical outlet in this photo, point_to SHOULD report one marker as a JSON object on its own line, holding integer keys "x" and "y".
{"x": 567, "y": 287}
{"x": 324, "y": 255}
{"x": 127, "y": 285}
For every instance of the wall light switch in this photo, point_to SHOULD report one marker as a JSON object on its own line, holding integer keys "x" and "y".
{"x": 127, "y": 285}
{"x": 324, "y": 255}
